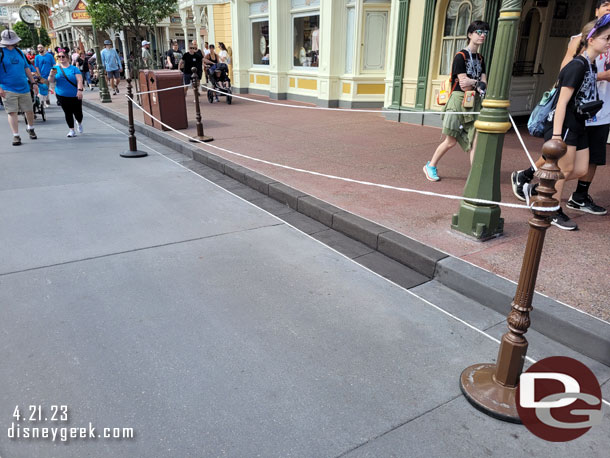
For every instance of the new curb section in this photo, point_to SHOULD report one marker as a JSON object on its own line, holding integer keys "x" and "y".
{"x": 577, "y": 330}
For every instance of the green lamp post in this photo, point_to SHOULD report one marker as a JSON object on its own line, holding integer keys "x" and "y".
{"x": 477, "y": 220}
{"x": 104, "y": 93}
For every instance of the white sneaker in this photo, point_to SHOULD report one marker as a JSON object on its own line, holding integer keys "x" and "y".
{"x": 79, "y": 127}
{"x": 71, "y": 133}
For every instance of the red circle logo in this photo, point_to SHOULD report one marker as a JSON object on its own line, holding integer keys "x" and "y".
{"x": 559, "y": 399}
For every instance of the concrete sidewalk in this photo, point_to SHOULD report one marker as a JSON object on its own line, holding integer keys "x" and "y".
{"x": 141, "y": 295}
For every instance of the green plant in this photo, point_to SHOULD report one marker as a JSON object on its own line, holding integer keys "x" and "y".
{"x": 24, "y": 32}
{"x": 44, "y": 37}
{"x": 134, "y": 15}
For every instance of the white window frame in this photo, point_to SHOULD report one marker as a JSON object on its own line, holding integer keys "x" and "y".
{"x": 254, "y": 19}
{"x": 350, "y": 54}
{"x": 297, "y": 13}
{"x": 454, "y": 38}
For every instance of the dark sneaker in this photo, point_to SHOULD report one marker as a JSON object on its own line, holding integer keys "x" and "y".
{"x": 517, "y": 180}
{"x": 32, "y": 134}
{"x": 586, "y": 205}
{"x": 16, "y": 140}
{"x": 563, "y": 221}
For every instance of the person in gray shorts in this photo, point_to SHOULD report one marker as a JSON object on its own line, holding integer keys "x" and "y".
{"x": 112, "y": 63}
{"x": 15, "y": 80}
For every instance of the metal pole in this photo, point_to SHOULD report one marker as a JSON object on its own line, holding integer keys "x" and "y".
{"x": 133, "y": 145}
{"x": 492, "y": 388}
{"x": 477, "y": 220}
{"x": 125, "y": 55}
{"x": 200, "y": 134}
{"x": 101, "y": 71}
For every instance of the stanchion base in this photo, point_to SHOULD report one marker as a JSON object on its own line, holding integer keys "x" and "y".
{"x": 137, "y": 153}
{"x": 203, "y": 138}
{"x": 484, "y": 393}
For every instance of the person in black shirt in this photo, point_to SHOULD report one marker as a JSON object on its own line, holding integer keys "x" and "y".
{"x": 189, "y": 60}
{"x": 577, "y": 85}
{"x": 173, "y": 57}
{"x": 468, "y": 82}
{"x": 597, "y": 131}
{"x": 83, "y": 65}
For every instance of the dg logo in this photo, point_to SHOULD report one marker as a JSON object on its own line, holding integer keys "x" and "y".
{"x": 559, "y": 399}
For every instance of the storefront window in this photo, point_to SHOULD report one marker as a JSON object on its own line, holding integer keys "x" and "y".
{"x": 460, "y": 13}
{"x": 527, "y": 45}
{"x": 260, "y": 32}
{"x": 260, "y": 43}
{"x": 306, "y": 33}
{"x": 306, "y": 41}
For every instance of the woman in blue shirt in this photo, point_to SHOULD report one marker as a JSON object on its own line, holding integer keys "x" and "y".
{"x": 68, "y": 82}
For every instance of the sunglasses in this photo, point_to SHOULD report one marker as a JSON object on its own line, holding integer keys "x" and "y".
{"x": 601, "y": 22}
{"x": 63, "y": 57}
{"x": 482, "y": 33}
{"x": 194, "y": 49}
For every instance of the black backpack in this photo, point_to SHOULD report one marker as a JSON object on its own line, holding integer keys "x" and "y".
{"x": 2, "y": 57}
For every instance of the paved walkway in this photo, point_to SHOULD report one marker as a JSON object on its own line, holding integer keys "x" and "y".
{"x": 575, "y": 266}
{"x": 141, "y": 295}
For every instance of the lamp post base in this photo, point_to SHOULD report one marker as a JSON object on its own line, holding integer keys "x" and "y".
{"x": 136, "y": 153}
{"x": 201, "y": 138}
{"x": 478, "y": 221}
{"x": 478, "y": 385}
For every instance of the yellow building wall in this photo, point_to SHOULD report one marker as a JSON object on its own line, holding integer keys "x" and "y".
{"x": 222, "y": 24}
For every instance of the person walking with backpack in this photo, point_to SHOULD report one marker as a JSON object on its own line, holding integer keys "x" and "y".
{"x": 468, "y": 84}
{"x": 577, "y": 102}
{"x": 598, "y": 131}
{"x": 68, "y": 82}
{"x": 15, "y": 74}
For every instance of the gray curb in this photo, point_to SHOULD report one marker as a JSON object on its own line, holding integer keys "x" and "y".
{"x": 577, "y": 330}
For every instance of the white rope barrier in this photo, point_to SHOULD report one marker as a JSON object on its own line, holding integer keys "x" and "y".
{"x": 522, "y": 142}
{"x": 161, "y": 90}
{"x": 348, "y": 180}
{"x": 348, "y": 110}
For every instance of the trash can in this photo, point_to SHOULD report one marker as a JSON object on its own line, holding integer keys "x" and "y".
{"x": 167, "y": 106}
{"x": 145, "y": 102}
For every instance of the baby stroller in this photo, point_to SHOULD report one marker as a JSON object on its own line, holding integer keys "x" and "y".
{"x": 219, "y": 77}
{"x": 37, "y": 105}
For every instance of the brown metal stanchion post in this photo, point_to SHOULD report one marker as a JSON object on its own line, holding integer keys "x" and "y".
{"x": 492, "y": 388}
{"x": 133, "y": 146}
{"x": 200, "y": 135}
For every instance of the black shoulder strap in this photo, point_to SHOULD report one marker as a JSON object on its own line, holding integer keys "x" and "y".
{"x": 66, "y": 77}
